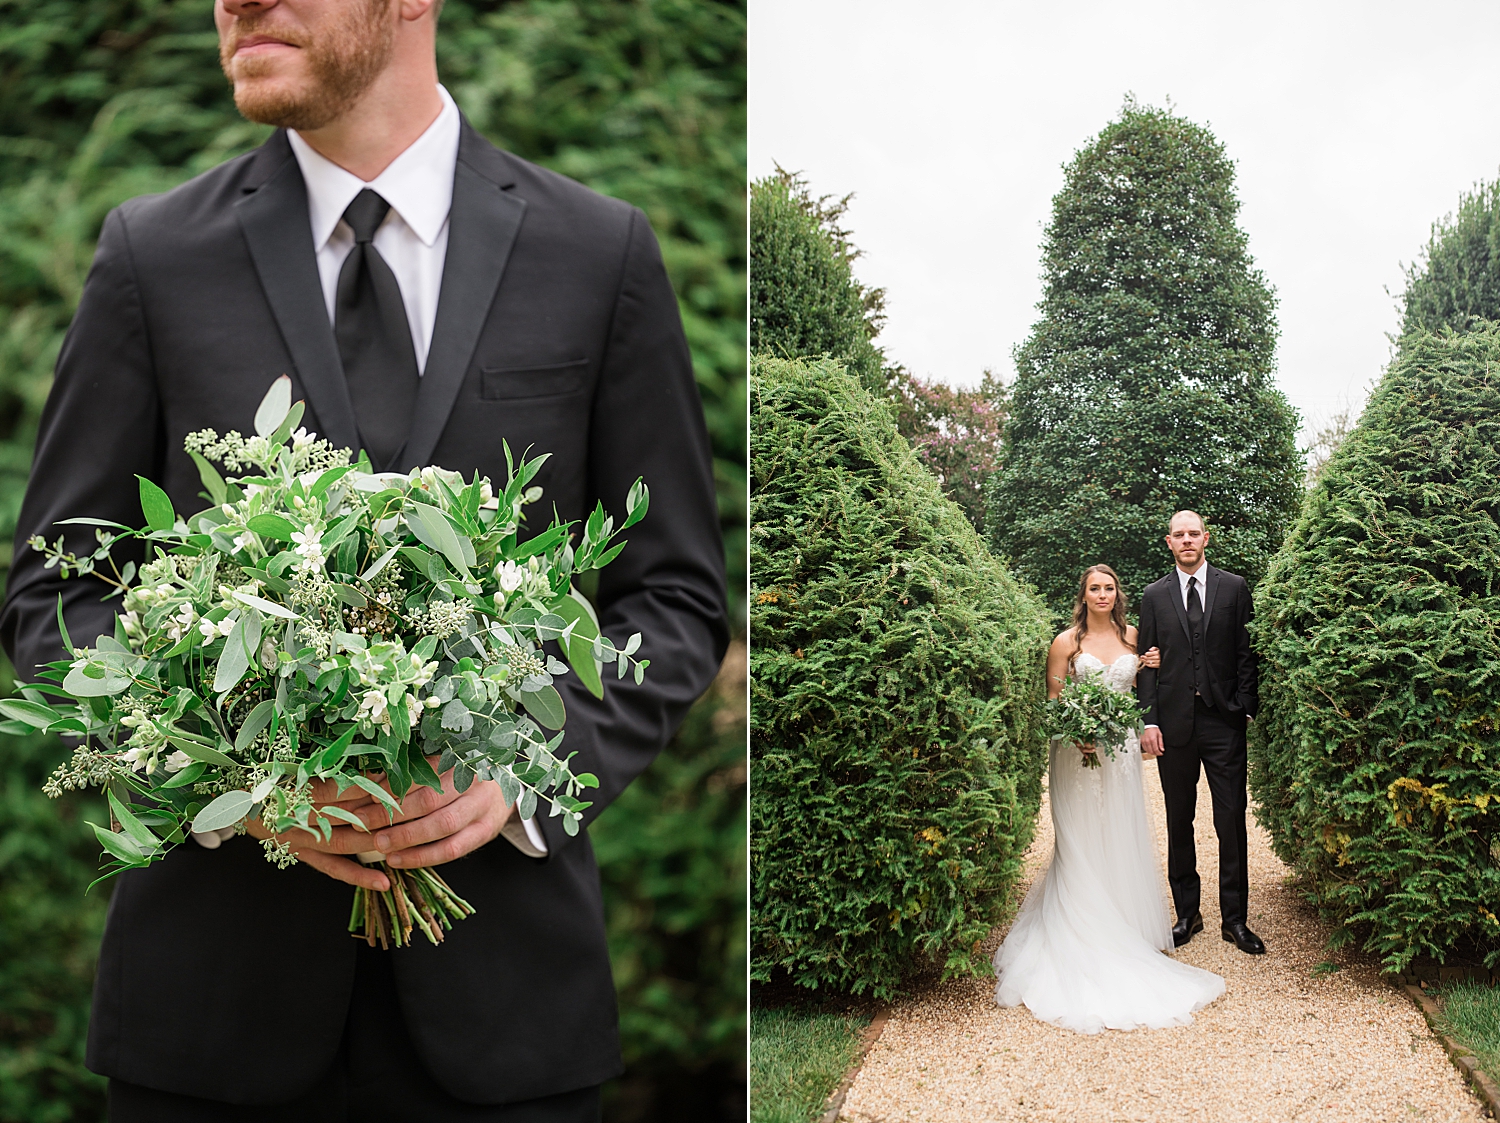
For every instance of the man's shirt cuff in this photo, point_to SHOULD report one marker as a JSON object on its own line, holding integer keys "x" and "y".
{"x": 525, "y": 836}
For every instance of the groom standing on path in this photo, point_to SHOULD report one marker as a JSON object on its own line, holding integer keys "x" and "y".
{"x": 431, "y": 297}
{"x": 1197, "y": 705}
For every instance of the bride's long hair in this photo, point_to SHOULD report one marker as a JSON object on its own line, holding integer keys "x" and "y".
{"x": 1081, "y": 611}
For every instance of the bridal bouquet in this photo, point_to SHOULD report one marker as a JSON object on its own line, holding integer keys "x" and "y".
{"x": 1088, "y": 712}
{"x": 324, "y": 622}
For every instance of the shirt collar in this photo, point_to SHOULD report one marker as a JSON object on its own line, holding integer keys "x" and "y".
{"x": 418, "y": 184}
{"x": 1200, "y": 573}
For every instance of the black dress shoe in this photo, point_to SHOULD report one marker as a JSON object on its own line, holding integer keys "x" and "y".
{"x": 1183, "y": 930}
{"x": 1244, "y": 939}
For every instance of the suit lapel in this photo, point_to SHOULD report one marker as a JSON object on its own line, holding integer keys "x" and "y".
{"x": 1174, "y": 593}
{"x": 482, "y": 228}
{"x": 1210, "y": 587}
{"x": 276, "y": 225}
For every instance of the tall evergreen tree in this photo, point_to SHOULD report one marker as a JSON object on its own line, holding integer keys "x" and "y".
{"x": 804, "y": 297}
{"x": 1457, "y": 278}
{"x": 1146, "y": 385}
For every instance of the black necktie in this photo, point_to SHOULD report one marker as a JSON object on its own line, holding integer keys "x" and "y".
{"x": 374, "y": 337}
{"x": 1195, "y": 625}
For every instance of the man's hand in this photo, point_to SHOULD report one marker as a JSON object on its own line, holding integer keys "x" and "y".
{"x": 439, "y": 828}
{"x": 1151, "y": 741}
{"x": 326, "y": 856}
{"x": 433, "y": 828}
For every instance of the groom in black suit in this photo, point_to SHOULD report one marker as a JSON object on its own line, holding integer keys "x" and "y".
{"x": 1197, "y": 705}
{"x": 430, "y": 296}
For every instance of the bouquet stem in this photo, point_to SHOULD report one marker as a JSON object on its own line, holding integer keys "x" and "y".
{"x": 418, "y": 900}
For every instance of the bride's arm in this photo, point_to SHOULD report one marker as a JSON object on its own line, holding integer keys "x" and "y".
{"x": 1150, "y": 659}
{"x": 1057, "y": 663}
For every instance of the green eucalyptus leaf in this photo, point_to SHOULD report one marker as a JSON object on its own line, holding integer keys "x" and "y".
{"x": 225, "y": 811}
{"x": 272, "y": 526}
{"x": 121, "y": 846}
{"x": 213, "y": 483}
{"x": 273, "y": 407}
{"x": 199, "y": 751}
{"x": 546, "y": 706}
{"x": 156, "y": 506}
{"x": 255, "y": 721}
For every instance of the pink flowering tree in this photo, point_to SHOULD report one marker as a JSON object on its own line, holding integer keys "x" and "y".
{"x": 955, "y": 433}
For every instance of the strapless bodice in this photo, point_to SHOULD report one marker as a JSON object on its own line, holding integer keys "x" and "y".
{"x": 1119, "y": 675}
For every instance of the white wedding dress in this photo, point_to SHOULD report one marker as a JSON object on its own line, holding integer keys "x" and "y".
{"x": 1085, "y": 951}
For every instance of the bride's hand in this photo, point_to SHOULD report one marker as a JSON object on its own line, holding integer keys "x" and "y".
{"x": 1152, "y": 658}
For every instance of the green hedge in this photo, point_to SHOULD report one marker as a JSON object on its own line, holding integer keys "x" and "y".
{"x": 804, "y": 297}
{"x": 1375, "y": 762}
{"x": 101, "y": 100}
{"x": 896, "y": 684}
{"x": 1456, "y": 279}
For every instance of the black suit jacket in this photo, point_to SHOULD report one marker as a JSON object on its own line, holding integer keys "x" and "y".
{"x": 557, "y": 330}
{"x": 1167, "y": 693}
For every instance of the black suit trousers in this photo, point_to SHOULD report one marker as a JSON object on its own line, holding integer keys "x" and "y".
{"x": 1217, "y": 746}
{"x": 375, "y": 1078}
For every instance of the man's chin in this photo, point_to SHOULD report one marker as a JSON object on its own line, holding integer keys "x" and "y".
{"x": 283, "y": 103}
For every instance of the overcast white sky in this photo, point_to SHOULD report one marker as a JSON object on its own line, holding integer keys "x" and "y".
{"x": 1352, "y": 126}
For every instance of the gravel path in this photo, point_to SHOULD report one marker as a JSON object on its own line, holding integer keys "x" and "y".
{"x": 1288, "y": 1041}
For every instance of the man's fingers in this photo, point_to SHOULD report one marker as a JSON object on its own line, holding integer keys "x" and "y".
{"x": 342, "y": 869}
{"x": 342, "y": 840}
{"x": 449, "y": 849}
{"x": 418, "y": 802}
{"x": 444, "y": 821}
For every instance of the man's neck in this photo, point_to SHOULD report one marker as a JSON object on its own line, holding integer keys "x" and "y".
{"x": 395, "y": 111}
{"x": 1194, "y": 572}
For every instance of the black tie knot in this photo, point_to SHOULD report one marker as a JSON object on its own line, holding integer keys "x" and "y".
{"x": 365, "y": 214}
{"x": 1192, "y": 583}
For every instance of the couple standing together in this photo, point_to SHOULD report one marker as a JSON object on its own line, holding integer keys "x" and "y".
{"x": 1084, "y": 953}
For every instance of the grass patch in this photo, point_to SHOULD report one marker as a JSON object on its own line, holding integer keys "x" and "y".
{"x": 1471, "y": 1016}
{"x": 797, "y": 1058}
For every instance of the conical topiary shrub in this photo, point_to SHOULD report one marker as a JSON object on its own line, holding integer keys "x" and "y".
{"x": 897, "y": 680}
{"x": 1146, "y": 385}
{"x": 1456, "y": 281}
{"x": 804, "y": 297}
{"x": 1375, "y": 761}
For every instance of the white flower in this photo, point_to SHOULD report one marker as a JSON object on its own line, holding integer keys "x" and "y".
{"x": 181, "y": 623}
{"x": 209, "y": 629}
{"x": 308, "y": 545}
{"x": 374, "y": 707}
{"x": 177, "y": 761}
{"x": 302, "y": 438}
{"x": 137, "y": 757}
{"x": 487, "y": 497}
{"x": 244, "y": 541}
{"x": 510, "y": 575}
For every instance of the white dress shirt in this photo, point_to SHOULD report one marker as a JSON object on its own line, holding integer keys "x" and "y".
{"x": 1201, "y": 573}
{"x": 413, "y": 239}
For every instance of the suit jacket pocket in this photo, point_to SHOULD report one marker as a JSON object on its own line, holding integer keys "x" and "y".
{"x": 532, "y": 380}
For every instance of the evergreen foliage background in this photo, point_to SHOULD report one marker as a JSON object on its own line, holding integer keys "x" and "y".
{"x": 1146, "y": 385}
{"x": 804, "y": 298}
{"x": 1376, "y": 757}
{"x": 896, "y": 752}
{"x": 101, "y": 100}
{"x": 1456, "y": 279}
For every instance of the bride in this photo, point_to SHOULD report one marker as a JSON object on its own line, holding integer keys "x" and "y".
{"x": 1085, "y": 951}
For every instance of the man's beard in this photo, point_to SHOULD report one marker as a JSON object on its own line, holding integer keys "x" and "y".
{"x": 342, "y": 63}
